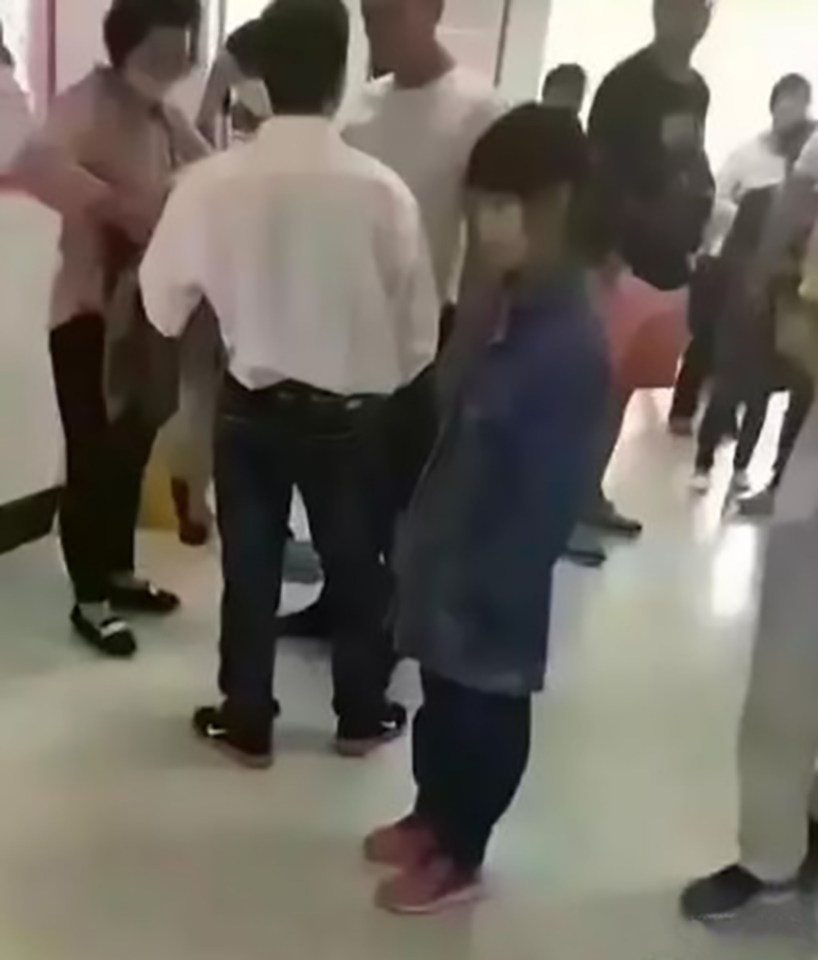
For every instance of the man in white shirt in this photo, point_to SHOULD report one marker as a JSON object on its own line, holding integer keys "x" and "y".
{"x": 421, "y": 117}
{"x": 768, "y": 158}
{"x": 314, "y": 260}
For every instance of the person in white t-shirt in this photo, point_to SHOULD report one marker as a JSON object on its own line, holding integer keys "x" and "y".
{"x": 422, "y": 117}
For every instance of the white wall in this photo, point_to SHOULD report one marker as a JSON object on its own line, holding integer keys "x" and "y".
{"x": 30, "y": 433}
{"x": 522, "y": 63}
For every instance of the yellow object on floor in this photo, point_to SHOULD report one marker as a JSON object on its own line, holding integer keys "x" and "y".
{"x": 157, "y": 511}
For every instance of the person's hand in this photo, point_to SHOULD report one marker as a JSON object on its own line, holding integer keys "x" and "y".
{"x": 133, "y": 213}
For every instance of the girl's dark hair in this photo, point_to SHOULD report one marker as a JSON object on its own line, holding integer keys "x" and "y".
{"x": 530, "y": 150}
{"x": 534, "y": 149}
{"x": 128, "y": 23}
{"x": 302, "y": 48}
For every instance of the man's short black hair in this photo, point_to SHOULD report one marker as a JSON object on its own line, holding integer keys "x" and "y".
{"x": 128, "y": 23}
{"x": 566, "y": 74}
{"x": 243, "y": 44}
{"x": 529, "y": 151}
{"x": 302, "y": 48}
{"x": 791, "y": 84}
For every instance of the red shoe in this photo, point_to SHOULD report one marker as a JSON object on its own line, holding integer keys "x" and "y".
{"x": 435, "y": 886}
{"x": 405, "y": 844}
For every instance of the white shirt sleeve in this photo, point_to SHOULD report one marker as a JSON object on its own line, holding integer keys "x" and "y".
{"x": 169, "y": 276}
{"x": 415, "y": 298}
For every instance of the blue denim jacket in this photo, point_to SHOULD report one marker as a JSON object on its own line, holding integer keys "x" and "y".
{"x": 502, "y": 493}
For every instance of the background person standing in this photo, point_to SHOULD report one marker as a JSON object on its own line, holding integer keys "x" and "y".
{"x": 314, "y": 259}
{"x": 647, "y": 128}
{"x": 764, "y": 161}
{"x": 105, "y": 160}
{"x": 421, "y": 117}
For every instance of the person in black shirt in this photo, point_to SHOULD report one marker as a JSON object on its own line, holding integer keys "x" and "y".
{"x": 647, "y": 126}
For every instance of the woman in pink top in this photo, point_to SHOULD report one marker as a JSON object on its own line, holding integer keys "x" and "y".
{"x": 105, "y": 159}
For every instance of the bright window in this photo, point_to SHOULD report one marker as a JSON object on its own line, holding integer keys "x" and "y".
{"x": 14, "y": 15}
{"x": 750, "y": 45}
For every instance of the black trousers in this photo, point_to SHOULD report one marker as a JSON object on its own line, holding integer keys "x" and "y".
{"x": 105, "y": 462}
{"x": 698, "y": 363}
{"x": 267, "y": 442}
{"x": 470, "y": 752}
{"x": 696, "y": 370}
{"x": 725, "y": 399}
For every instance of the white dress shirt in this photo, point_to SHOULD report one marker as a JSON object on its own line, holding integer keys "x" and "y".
{"x": 753, "y": 166}
{"x": 312, "y": 256}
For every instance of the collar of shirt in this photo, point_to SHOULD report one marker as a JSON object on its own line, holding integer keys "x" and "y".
{"x": 298, "y": 132}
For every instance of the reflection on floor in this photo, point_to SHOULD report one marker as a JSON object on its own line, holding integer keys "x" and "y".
{"x": 121, "y": 838}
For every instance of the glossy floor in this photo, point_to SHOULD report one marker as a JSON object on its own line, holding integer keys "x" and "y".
{"x": 121, "y": 838}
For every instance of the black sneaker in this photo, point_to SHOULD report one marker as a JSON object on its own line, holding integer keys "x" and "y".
{"x": 354, "y": 741}
{"x": 251, "y": 748}
{"x": 724, "y": 894}
{"x": 143, "y": 598}
{"x": 111, "y": 637}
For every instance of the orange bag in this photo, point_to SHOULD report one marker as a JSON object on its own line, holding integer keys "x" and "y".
{"x": 647, "y": 331}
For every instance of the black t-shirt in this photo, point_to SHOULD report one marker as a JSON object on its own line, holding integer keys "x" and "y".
{"x": 648, "y": 133}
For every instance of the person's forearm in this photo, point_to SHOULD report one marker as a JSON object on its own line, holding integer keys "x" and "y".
{"x": 57, "y": 180}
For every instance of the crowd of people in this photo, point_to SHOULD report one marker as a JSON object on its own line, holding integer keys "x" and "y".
{"x": 416, "y": 322}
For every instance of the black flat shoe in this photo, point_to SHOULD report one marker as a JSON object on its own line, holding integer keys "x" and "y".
{"x": 143, "y": 598}
{"x": 112, "y": 637}
{"x": 357, "y": 742}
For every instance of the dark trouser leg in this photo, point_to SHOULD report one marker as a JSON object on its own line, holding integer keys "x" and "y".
{"x": 471, "y": 750}
{"x": 802, "y": 397}
{"x": 253, "y": 472}
{"x": 332, "y": 477}
{"x": 715, "y": 424}
{"x": 696, "y": 369}
{"x": 752, "y": 425}
{"x": 87, "y": 504}
{"x": 697, "y": 365}
{"x": 131, "y": 443}
{"x": 407, "y": 436}
{"x": 604, "y": 448}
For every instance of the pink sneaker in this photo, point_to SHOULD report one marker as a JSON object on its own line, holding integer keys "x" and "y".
{"x": 405, "y": 844}
{"x": 433, "y": 887}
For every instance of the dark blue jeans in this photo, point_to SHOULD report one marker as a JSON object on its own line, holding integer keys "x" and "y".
{"x": 470, "y": 752}
{"x": 268, "y": 442}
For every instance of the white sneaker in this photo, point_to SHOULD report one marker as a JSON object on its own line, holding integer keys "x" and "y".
{"x": 700, "y": 481}
{"x": 740, "y": 482}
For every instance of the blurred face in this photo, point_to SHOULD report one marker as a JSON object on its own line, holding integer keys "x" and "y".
{"x": 682, "y": 23}
{"x": 791, "y": 111}
{"x": 497, "y": 225}
{"x": 513, "y": 236}
{"x": 398, "y": 29}
{"x": 164, "y": 57}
